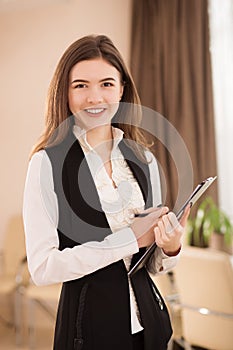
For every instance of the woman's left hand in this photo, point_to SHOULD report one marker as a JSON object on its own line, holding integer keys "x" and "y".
{"x": 168, "y": 232}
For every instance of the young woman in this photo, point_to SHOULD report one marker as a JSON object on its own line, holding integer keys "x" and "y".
{"x": 88, "y": 176}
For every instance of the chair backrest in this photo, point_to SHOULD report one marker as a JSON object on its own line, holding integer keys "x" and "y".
{"x": 14, "y": 245}
{"x": 204, "y": 280}
{"x": 164, "y": 284}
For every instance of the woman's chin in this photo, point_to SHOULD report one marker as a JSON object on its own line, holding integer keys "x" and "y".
{"x": 90, "y": 122}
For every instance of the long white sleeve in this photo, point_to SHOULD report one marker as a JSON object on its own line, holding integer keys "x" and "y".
{"x": 47, "y": 264}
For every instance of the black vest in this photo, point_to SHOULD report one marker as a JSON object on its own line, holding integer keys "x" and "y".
{"x": 94, "y": 311}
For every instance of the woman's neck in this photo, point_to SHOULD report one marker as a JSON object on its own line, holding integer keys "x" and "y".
{"x": 100, "y": 135}
{"x": 101, "y": 139}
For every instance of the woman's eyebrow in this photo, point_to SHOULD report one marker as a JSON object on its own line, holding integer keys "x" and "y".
{"x": 112, "y": 79}
{"x": 79, "y": 81}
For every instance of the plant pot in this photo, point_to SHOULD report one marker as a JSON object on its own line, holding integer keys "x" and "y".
{"x": 217, "y": 242}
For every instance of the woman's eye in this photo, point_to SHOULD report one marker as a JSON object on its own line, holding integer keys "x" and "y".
{"x": 80, "y": 86}
{"x": 107, "y": 84}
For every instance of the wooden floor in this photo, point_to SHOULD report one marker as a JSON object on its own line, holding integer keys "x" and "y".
{"x": 43, "y": 324}
{"x": 43, "y": 339}
{"x": 43, "y": 334}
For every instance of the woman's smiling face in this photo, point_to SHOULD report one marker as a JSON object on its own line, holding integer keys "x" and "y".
{"x": 95, "y": 89}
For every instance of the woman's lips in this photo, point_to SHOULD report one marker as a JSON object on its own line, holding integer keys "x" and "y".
{"x": 95, "y": 112}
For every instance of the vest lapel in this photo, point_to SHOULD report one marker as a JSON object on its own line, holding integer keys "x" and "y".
{"x": 84, "y": 198}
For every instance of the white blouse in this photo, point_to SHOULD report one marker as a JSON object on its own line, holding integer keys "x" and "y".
{"x": 47, "y": 264}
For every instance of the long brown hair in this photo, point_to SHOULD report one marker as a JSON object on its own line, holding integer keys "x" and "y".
{"x": 58, "y": 112}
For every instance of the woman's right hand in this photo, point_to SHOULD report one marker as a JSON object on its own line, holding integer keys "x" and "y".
{"x": 143, "y": 227}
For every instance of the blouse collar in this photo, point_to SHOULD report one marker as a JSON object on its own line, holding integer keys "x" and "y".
{"x": 81, "y": 135}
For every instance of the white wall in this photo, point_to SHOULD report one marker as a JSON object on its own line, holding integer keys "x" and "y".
{"x": 221, "y": 33}
{"x": 32, "y": 39}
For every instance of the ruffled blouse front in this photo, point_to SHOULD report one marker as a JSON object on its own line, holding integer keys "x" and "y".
{"x": 120, "y": 196}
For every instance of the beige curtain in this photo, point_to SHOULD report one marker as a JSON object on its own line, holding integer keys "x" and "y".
{"x": 170, "y": 63}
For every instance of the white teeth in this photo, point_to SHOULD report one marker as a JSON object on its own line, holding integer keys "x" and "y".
{"x": 95, "y": 111}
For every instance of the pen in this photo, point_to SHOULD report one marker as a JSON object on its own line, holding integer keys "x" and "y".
{"x": 142, "y": 215}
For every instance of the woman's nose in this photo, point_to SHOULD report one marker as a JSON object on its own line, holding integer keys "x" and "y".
{"x": 94, "y": 96}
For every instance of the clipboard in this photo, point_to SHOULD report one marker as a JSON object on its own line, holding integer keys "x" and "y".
{"x": 194, "y": 196}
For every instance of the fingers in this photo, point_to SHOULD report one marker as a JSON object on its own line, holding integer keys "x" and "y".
{"x": 171, "y": 223}
{"x": 168, "y": 232}
{"x": 148, "y": 218}
{"x": 142, "y": 225}
{"x": 160, "y": 234}
{"x": 168, "y": 224}
{"x": 156, "y": 211}
{"x": 152, "y": 218}
{"x": 185, "y": 216}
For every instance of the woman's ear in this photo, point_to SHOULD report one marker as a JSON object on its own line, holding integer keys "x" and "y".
{"x": 121, "y": 91}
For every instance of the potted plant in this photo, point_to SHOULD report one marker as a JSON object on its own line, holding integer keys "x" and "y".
{"x": 211, "y": 227}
